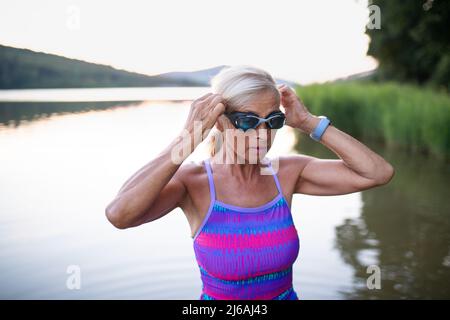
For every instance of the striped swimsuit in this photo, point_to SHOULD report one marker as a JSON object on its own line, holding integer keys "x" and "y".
{"x": 246, "y": 253}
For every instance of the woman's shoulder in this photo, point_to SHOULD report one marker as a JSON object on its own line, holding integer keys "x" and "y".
{"x": 290, "y": 165}
{"x": 190, "y": 169}
{"x": 291, "y": 159}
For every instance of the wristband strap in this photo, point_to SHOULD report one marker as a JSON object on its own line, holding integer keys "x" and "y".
{"x": 323, "y": 124}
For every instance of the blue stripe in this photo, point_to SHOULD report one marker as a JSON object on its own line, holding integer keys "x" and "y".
{"x": 262, "y": 278}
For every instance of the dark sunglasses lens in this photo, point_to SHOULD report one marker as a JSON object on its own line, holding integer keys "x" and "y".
{"x": 246, "y": 123}
{"x": 277, "y": 122}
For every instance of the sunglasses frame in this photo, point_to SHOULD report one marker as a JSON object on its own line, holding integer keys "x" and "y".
{"x": 234, "y": 116}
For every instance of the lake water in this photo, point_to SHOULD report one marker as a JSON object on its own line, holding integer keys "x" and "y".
{"x": 62, "y": 163}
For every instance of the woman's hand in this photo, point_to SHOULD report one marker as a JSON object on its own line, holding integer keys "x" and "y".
{"x": 205, "y": 111}
{"x": 297, "y": 116}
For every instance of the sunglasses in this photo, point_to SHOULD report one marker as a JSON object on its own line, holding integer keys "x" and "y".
{"x": 249, "y": 120}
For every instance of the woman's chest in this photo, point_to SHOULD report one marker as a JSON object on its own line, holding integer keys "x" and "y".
{"x": 235, "y": 245}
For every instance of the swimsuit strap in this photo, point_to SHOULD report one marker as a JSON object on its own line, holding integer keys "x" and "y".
{"x": 212, "y": 189}
{"x": 275, "y": 177}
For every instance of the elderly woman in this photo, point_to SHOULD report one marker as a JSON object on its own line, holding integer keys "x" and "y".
{"x": 244, "y": 238}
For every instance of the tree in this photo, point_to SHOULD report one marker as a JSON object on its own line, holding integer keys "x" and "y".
{"x": 413, "y": 43}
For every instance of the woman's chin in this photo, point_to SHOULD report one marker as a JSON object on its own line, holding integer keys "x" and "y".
{"x": 255, "y": 155}
{"x": 251, "y": 156}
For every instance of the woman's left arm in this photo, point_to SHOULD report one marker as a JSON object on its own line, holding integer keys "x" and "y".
{"x": 359, "y": 168}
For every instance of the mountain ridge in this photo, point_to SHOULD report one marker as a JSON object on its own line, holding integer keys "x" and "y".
{"x": 27, "y": 69}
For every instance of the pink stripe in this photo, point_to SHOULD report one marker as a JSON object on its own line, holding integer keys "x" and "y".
{"x": 237, "y": 277}
{"x": 246, "y": 241}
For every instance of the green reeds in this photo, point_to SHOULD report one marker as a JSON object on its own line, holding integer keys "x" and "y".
{"x": 404, "y": 116}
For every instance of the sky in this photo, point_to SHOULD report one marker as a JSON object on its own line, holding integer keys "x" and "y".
{"x": 297, "y": 40}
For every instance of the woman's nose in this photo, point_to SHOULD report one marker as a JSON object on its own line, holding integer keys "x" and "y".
{"x": 263, "y": 134}
{"x": 263, "y": 126}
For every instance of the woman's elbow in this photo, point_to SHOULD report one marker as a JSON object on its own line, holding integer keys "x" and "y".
{"x": 385, "y": 174}
{"x": 116, "y": 218}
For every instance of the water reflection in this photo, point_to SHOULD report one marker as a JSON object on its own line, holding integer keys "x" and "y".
{"x": 404, "y": 228}
{"x": 58, "y": 173}
{"x": 15, "y": 113}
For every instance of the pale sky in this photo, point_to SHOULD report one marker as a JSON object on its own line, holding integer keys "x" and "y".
{"x": 297, "y": 40}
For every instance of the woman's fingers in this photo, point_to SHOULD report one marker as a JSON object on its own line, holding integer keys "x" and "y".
{"x": 284, "y": 89}
{"x": 209, "y": 100}
{"x": 205, "y": 96}
{"x": 209, "y": 109}
{"x": 217, "y": 110}
{"x": 214, "y": 109}
{"x": 289, "y": 97}
{"x": 205, "y": 109}
{"x": 214, "y": 100}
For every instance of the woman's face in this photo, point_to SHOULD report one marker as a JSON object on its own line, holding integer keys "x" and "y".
{"x": 252, "y": 145}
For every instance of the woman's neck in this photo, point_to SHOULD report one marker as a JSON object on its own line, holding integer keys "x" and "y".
{"x": 241, "y": 171}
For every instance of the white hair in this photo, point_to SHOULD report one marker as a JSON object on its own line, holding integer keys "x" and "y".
{"x": 238, "y": 85}
{"x": 241, "y": 83}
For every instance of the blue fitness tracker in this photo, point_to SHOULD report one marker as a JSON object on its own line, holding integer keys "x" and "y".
{"x": 323, "y": 124}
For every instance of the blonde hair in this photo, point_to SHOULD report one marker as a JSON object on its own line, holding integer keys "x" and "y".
{"x": 238, "y": 85}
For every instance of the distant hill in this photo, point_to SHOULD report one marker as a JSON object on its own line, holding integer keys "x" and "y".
{"x": 204, "y": 76}
{"x": 361, "y": 76}
{"x": 26, "y": 69}
{"x": 23, "y": 68}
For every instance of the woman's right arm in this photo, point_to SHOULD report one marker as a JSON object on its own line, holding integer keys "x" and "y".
{"x": 156, "y": 189}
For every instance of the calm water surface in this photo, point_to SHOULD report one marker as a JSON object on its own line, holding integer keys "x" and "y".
{"x": 62, "y": 163}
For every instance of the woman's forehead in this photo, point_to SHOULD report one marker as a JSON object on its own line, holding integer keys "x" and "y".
{"x": 262, "y": 110}
{"x": 261, "y": 103}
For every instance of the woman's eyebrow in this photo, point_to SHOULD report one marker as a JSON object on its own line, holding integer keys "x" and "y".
{"x": 246, "y": 109}
{"x": 275, "y": 110}
{"x": 270, "y": 112}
